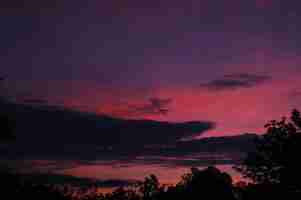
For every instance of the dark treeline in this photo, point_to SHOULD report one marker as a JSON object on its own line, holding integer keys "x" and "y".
{"x": 209, "y": 183}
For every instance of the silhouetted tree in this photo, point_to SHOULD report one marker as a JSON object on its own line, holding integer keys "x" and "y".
{"x": 150, "y": 187}
{"x": 277, "y": 154}
{"x": 209, "y": 183}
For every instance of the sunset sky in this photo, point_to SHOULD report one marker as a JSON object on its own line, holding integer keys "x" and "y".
{"x": 231, "y": 62}
{"x": 198, "y": 68}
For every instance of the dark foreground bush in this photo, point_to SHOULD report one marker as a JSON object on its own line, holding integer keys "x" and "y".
{"x": 14, "y": 187}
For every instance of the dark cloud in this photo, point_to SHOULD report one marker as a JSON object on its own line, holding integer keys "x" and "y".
{"x": 235, "y": 81}
{"x": 56, "y": 132}
{"x": 155, "y": 106}
{"x": 44, "y": 178}
{"x": 33, "y": 101}
{"x": 202, "y": 152}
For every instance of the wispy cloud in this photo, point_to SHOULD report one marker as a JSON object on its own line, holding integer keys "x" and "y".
{"x": 33, "y": 101}
{"x": 154, "y": 106}
{"x": 235, "y": 81}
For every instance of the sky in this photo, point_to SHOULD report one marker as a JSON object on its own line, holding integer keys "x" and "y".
{"x": 234, "y": 63}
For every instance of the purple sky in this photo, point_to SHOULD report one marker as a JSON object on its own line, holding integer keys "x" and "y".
{"x": 233, "y": 62}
